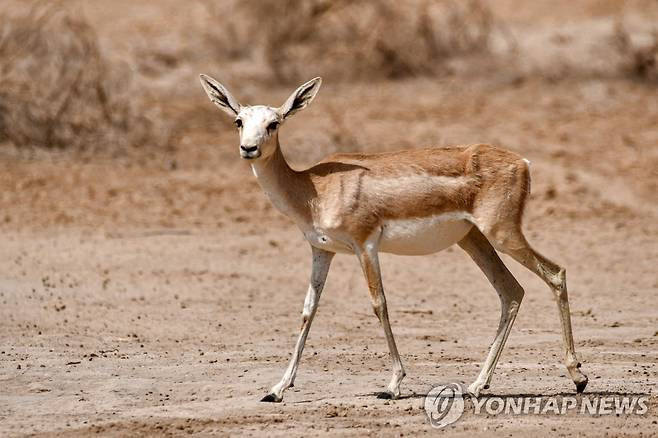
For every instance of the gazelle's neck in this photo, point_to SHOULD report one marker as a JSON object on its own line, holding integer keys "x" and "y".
{"x": 286, "y": 188}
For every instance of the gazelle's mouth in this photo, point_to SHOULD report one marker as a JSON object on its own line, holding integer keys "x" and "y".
{"x": 250, "y": 155}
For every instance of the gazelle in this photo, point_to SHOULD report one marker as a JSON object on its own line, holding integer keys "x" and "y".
{"x": 411, "y": 202}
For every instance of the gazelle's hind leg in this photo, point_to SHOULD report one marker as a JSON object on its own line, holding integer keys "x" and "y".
{"x": 513, "y": 243}
{"x": 498, "y": 216}
{"x": 509, "y": 292}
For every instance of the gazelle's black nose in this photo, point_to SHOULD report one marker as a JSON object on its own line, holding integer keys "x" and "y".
{"x": 248, "y": 148}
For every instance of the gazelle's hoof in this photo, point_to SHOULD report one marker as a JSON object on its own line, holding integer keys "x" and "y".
{"x": 579, "y": 378}
{"x": 271, "y": 398}
{"x": 386, "y": 395}
{"x": 475, "y": 388}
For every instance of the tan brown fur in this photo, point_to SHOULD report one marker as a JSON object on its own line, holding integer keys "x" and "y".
{"x": 411, "y": 202}
{"x": 340, "y": 196}
{"x": 487, "y": 174}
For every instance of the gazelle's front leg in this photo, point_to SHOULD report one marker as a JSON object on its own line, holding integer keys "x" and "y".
{"x": 321, "y": 262}
{"x": 370, "y": 265}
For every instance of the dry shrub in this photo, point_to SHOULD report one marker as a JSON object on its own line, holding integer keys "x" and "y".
{"x": 640, "y": 60}
{"x": 225, "y": 33}
{"x": 362, "y": 39}
{"x": 57, "y": 90}
{"x": 219, "y": 35}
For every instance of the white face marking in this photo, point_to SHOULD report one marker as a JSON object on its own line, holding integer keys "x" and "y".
{"x": 254, "y": 132}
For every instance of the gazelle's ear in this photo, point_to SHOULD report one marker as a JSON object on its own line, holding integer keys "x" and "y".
{"x": 220, "y": 96}
{"x": 300, "y": 98}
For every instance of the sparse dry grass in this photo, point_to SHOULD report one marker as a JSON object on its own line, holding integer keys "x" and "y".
{"x": 58, "y": 90}
{"x": 359, "y": 39}
{"x": 640, "y": 60}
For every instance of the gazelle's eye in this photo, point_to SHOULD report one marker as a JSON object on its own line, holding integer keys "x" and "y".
{"x": 238, "y": 123}
{"x": 272, "y": 126}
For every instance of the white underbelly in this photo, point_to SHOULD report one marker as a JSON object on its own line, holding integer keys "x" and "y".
{"x": 421, "y": 236}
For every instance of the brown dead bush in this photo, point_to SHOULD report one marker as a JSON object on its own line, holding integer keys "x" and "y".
{"x": 640, "y": 61}
{"x": 362, "y": 39}
{"x": 58, "y": 90}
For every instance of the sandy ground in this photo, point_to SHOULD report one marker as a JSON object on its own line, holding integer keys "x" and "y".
{"x": 147, "y": 299}
{"x": 158, "y": 292}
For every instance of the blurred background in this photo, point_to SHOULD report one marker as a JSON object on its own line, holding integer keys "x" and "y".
{"x": 148, "y": 286}
{"x": 88, "y": 81}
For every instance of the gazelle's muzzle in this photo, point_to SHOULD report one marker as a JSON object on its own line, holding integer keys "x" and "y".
{"x": 249, "y": 152}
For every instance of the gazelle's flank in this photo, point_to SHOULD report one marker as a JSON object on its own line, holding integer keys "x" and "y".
{"x": 409, "y": 202}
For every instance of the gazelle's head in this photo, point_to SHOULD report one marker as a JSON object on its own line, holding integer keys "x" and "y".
{"x": 258, "y": 125}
